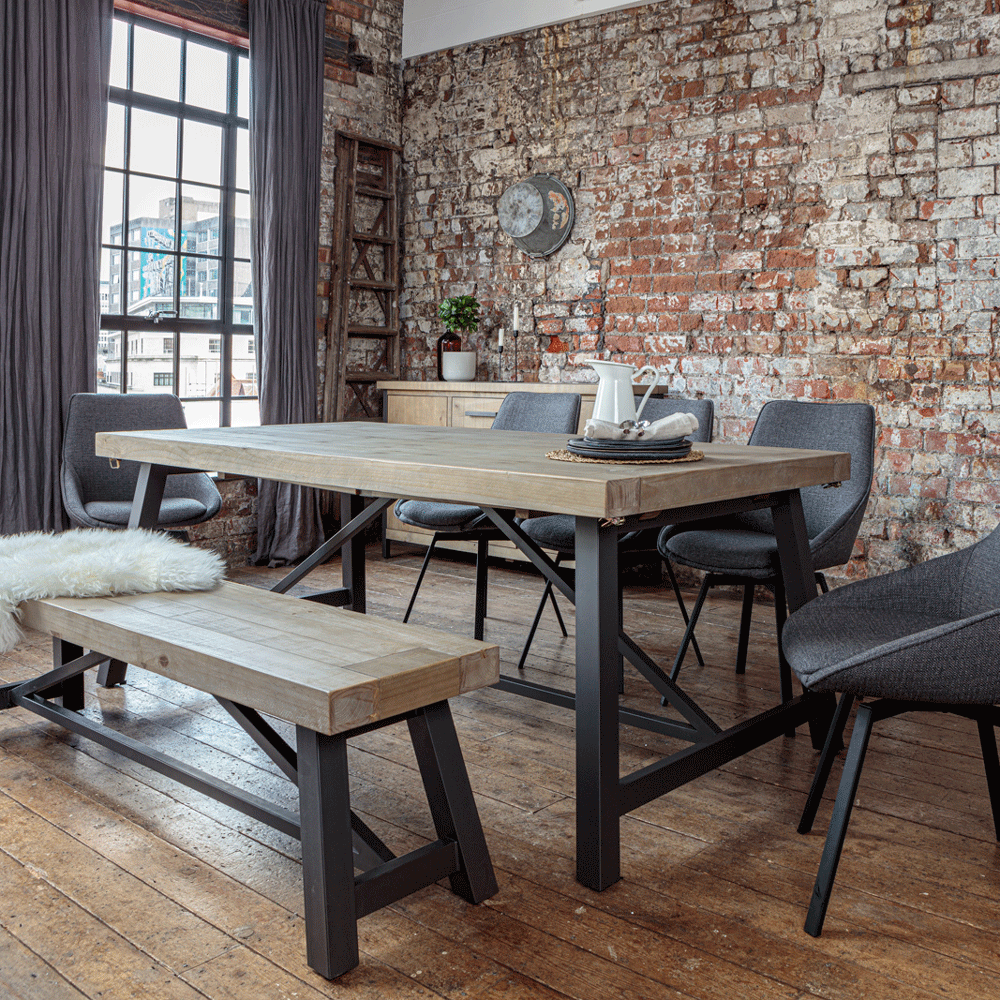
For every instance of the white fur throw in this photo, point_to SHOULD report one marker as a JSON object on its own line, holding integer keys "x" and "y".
{"x": 95, "y": 563}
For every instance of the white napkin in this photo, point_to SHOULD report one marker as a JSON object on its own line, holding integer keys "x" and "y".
{"x": 674, "y": 426}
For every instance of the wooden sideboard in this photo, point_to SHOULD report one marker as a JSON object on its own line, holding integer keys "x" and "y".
{"x": 466, "y": 404}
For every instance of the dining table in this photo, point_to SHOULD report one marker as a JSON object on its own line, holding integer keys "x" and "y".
{"x": 511, "y": 476}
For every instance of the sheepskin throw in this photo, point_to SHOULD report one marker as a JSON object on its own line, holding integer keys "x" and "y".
{"x": 95, "y": 563}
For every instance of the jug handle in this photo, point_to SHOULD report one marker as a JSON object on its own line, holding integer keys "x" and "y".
{"x": 652, "y": 386}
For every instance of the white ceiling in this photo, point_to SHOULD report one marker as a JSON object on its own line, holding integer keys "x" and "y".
{"x": 431, "y": 25}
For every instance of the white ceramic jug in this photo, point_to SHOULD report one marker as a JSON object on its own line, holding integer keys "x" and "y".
{"x": 614, "y": 401}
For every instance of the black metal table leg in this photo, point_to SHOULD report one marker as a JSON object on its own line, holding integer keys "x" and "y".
{"x": 71, "y": 688}
{"x": 327, "y": 853}
{"x": 598, "y": 795}
{"x": 353, "y": 553}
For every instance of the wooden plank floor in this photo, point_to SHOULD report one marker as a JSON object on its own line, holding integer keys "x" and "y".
{"x": 117, "y": 883}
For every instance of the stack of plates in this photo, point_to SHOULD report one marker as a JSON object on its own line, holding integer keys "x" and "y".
{"x": 629, "y": 451}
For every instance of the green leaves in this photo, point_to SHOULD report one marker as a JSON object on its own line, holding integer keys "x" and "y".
{"x": 460, "y": 313}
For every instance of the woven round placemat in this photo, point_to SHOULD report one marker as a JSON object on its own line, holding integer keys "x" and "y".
{"x": 562, "y": 455}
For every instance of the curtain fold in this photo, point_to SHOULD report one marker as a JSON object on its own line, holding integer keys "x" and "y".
{"x": 286, "y": 138}
{"x": 54, "y": 66}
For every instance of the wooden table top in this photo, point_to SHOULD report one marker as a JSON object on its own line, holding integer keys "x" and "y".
{"x": 506, "y": 469}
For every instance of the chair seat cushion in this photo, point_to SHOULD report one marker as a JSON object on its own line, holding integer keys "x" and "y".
{"x": 557, "y": 531}
{"x": 440, "y": 516}
{"x": 173, "y": 510}
{"x": 737, "y": 551}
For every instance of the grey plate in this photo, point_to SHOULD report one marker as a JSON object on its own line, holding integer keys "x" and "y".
{"x": 652, "y": 447}
{"x": 578, "y": 446}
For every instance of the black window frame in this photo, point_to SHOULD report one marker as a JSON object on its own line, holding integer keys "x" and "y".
{"x": 168, "y": 322}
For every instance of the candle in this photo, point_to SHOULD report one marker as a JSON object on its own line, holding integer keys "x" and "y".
{"x": 516, "y": 328}
{"x": 501, "y": 338}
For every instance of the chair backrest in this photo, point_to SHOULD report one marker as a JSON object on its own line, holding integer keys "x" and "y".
{"x": 833, "y": 515}
{"x": 93, "y": 478}
{"x": 554, "y": 412}
{"x": 658, "y": 407}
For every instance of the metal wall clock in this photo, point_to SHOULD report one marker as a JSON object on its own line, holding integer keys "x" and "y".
{"x": 537, "y": 214}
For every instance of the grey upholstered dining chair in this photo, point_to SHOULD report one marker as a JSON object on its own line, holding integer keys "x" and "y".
{"x": 924, "y": 639}
{"x": 742, "y": 550}
{"x": 557, "y": 532}
{"x": 96, "y": 495}
{"x": 557, "y": 413}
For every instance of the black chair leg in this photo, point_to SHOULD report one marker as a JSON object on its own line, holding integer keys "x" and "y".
{"x": 780, "y": 617}
{"x": 420, "y": 577}
{"x": 987, "y": 739}
{"x": 689, "y": 631}
{"x": 838, "y": 823}
{"x": 547, "y": 594}
{"x": 555, "y": 607}
{"x": 834, "y": 741}
{"x": 745, "y": 617}
{"x": 684, "y": 610}
{"x": 482, "y": 569}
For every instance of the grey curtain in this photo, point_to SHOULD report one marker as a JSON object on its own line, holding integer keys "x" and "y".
{"x": 54, "y": 66}
{"x": 286, "y": 137}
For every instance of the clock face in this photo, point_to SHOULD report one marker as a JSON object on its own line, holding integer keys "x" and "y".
{"x": 520, "y": 209}
{"x": 537, "y": 214}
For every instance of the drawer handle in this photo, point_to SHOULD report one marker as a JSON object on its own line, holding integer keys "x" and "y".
{"x": 480, "y": 413}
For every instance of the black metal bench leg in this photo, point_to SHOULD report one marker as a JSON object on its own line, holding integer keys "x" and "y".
{"x": 420, "y": 577}
{"x": 71, "y": 689}
{"x": 991, "y": 761}
{"x": 838, "y": 823}
{"x": 449, "y": 794}
{"x": 830, "y": 750}
{"x": 327, "y": 853}
{"x": 112, "y": 672}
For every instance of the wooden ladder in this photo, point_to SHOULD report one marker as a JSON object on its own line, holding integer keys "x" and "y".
{"x": 362, "y": 328}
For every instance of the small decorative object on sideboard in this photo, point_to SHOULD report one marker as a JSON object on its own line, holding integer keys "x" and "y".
{"x": 460, "y": 314}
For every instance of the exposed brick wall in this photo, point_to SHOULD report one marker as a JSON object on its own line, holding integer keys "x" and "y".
{"x": 233, "y": 531}
{"x": 775, "y": 199}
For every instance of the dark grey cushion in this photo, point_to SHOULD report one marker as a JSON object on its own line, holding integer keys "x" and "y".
{"x": 173, "y": 510}
{"x": 439, "y": 516}
{"x": 928, "y": 633}
{"x": 556, "y": 531}
{"x": 87, "y": 479}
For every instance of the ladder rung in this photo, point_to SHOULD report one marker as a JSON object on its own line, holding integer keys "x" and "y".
{"x": 359, "y": 375}
{"x": 370, "y": 331}
{"x": 373, "y": 238}
{"x": 389, "y": 286}
{"x": 372, "y": 192}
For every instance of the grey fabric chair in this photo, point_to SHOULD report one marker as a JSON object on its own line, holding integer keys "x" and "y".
{"x": 556, "y": 413}
{"x": 558, "y": 531}
{"x": 96, "y": 495}
{"x": 742, "y": 549}
{"x": 925, "y": 639}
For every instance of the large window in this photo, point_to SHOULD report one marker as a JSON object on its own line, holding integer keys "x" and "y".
{"x": 175, "y": 264}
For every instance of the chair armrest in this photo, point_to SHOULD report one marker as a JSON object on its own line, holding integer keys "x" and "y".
{"x": 955, "y": 663}
{"x": 930, "y": 585}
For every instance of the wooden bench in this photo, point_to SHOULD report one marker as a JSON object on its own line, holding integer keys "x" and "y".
{"x": 330, "y": 672}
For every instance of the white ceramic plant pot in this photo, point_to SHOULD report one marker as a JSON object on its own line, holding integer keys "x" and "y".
{"x": 458, "y": 366}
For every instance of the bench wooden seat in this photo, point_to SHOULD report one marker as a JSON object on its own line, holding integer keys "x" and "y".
{"x": 330, "y": 672}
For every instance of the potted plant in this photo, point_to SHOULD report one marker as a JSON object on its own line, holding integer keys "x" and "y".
{"x": 460, "y": 314}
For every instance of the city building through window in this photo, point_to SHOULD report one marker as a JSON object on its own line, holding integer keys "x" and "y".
{"x": 177, "y": 301}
